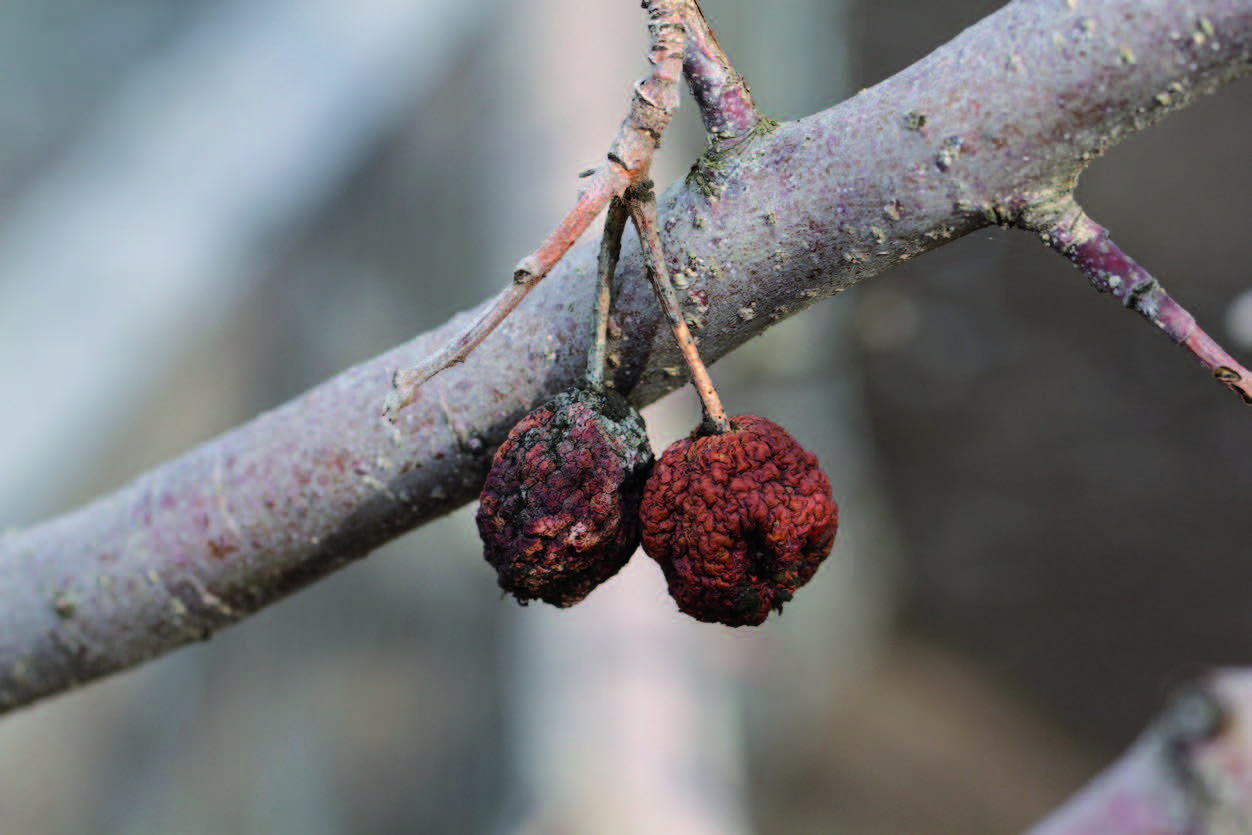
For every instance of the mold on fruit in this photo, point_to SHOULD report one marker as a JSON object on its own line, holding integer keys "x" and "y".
{"x": 559, "y": 512}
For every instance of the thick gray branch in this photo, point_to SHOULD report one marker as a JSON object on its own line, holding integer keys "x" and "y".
{"x": 992, "y": 127}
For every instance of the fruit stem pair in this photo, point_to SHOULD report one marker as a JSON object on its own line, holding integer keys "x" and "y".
{"x": 639, "y": 203}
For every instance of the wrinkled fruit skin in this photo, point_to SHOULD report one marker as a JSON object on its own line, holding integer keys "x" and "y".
{"x": 559, "y": 513}
{"x": 738, "y": 521}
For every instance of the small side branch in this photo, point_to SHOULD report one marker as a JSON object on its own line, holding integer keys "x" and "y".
{"x": 1110, "y": 270}
{"x": 607, "y": 181}
{"x": 656, "y": 95}
{"x": 725, "y": 102}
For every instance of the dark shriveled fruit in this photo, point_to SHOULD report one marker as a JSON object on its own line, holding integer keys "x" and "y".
{"x": 737, "y": 521}
{"x": 559, "y": 513}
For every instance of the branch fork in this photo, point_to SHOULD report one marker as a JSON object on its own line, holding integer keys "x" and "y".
{"x": 682, "y": 44}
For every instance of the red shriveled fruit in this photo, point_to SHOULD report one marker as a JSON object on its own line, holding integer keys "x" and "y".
{"x": 559, "y": 513}
{"x": 737, "y": 521}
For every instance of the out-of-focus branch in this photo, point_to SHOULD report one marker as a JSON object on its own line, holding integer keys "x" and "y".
{"x": 996, "y": 124}
{"x": 1189, "y": 774}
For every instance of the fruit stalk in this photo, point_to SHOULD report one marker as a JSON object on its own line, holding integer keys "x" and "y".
{"x": 610, "y": 251}
{"x": 641, "y": 201}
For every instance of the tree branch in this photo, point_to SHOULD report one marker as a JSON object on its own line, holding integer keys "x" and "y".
{"x": 993, "y": 127}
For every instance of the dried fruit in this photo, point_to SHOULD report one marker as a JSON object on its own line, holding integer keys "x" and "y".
{"x": 737, "y": 521}
{"x": 559, "y": 513}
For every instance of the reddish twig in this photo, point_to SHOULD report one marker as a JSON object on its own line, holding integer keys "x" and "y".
{"x": 608, "y": 180}
{"x": 1189, "y": 774}
{"x": 1110, "y": 270}
{"x": 641, "y": 200}
{"x": 651, "y": 108}
{"x": 656, "y": 94}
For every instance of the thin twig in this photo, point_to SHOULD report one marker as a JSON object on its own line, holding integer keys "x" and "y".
{"x": 651, "y": 108}
{"x": 610, "y": 251}
{"x": 641, "y": 200}
{"x": 608, "y": 180}
{"x": 1110, "y": 270}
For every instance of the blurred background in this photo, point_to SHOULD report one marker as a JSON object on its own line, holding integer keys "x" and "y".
{"x": 209, "y": 206}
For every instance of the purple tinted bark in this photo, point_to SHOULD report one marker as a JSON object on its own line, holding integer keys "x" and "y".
{"x": 726, "y": 105}
{"x": 1110, "y": 270}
